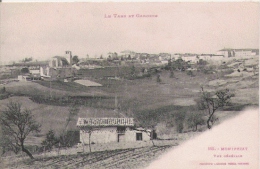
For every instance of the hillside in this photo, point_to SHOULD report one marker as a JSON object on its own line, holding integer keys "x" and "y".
{"x": 50, "y": 103}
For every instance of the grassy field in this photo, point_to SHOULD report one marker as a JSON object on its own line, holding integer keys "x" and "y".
{"x": 119, "y": 71}
{"x": 133, "y": 96}
{"x": 54, "y": 117}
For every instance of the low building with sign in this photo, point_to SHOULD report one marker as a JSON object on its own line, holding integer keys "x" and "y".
{"x": 105, "y": 130}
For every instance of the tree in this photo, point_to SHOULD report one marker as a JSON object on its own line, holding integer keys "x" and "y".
{"x": 171, "y": 68}
{"x": 25, "y": 70}
{"x": 89, "y": 130}
{"x": 133, "y": 71}
{"x": 16, "y": 125}
{"x": 73, "y": 112}
{"x": 180, "y": 64}
{"x": 27, "y": 59}
{"x": 158, "y": 79}
{"x": 7, "y": 144}
{"x": 211, "y": 103}
{"x": 75, "y": 59}
{"x": 179, "y": 118}
{"x": 147, "y": 120}
{"x": 190, "y": 73}
{"x": 50, "y": 140}
{"x": 195, "y": 119}
{"x": 171, "y": 73}
{"x": 202, "y": 62}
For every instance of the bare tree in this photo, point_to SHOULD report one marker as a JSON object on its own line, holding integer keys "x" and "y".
{"x": 89, "y": 130}
{"x": 16, "y": 125}
{"x": 147, "y": 120}
{"x": 211, "y": 103}
{"x": 73, "y": 112}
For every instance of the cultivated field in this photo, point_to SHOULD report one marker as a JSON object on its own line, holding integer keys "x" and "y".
{"x": 121, "y": 158}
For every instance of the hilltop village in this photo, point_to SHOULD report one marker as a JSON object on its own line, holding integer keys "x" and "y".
{"x": 65, "y": 67}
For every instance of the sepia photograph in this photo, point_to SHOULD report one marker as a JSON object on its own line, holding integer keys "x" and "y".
{"x": 129, "y": 85}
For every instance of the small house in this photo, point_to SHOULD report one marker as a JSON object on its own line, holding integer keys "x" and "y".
{"x": 105, "y": 130}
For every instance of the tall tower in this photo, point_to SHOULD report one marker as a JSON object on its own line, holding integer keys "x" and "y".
{"x": 68, "y": 56}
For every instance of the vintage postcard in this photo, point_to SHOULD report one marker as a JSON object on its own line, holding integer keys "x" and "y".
{"x": 129, "y": 85}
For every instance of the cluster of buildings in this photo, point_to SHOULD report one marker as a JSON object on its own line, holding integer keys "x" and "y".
{"x": 57, "y": 67}
{"x": 61, "y": 67}
{"x": 163, "y": 58}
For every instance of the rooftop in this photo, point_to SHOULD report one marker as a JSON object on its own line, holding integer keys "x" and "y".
{"x": 35, "y": 63}
{"x": 246, "y": 49}
{"x": 84, "y": 122}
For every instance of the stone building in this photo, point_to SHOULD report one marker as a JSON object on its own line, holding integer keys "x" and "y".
{"x": 105, "y": 130}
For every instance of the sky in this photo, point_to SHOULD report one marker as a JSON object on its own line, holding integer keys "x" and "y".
{"x": 44, "y": 30}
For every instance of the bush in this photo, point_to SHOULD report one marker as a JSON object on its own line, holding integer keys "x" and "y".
{"x": 3, "y": 94}
{"x": 70, "y": 139}
{"x": 190, "y": 73}
{"x": 50, "y": 140}
{"x": 158, "y": 78}
{"x": 3, "y": 90}
{"x": 180, "y": 127}
{"x": 179, "y": 120}
{"x": 195, "y": 119}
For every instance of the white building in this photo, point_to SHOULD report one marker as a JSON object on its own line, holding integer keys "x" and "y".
{"x": 212, "y": 58}
{"x": 175, "y": 56}
{"x": 206, "y": 57}
{"x": 245, "y": 53}
{"x": 190, "y": 58}
{"x": 226, "y": 52}
{"x": 239, "y": 53}
{"x": 104, "y": 130}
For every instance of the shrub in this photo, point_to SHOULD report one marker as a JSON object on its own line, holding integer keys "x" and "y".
{"x": 180, "y": 127}
{"x": 158, "y": 78}
{"x": 195, "y": 119}
{"x": 70, "y": 139}
{"x": 3, "y": 90}
{"x": 179, "y": 120}
{"x": 189, "y": 73}
{"x": 50, "y": 140}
